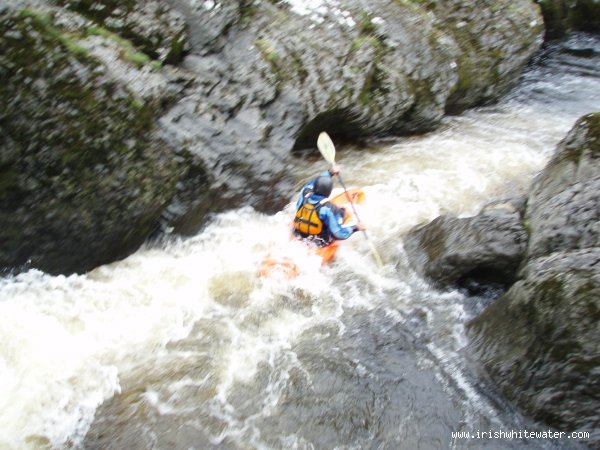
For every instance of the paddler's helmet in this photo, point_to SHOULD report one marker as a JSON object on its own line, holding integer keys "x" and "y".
{"x": 323, "y": 186}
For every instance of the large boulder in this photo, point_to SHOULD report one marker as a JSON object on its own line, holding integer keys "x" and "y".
{"x": 83, "y": 178}
{"x": 564, "y": 203}
{"x": 287, "y": 71}
{"x": 474, "y": 252}
{"x": 549, "y": 362}
{"x": 256, "y": 84}
{"x": 489, "y": 60}
{"x": 540, "y": 342}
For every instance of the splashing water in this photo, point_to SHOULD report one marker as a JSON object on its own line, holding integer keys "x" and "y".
{"x": 183, "y": 345}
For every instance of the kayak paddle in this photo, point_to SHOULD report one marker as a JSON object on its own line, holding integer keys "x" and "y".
{"x": 327, "y": 149}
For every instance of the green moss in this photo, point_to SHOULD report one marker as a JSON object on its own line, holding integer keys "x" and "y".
{"x": 247, "y": 13}
{"x": 137, "y": 104}
{"x": 155, "y": 65}
{"x": 82, "y": 153}
{"x": 592, "y": 121}
{"x": 368, "y": 37}
{"x": 137, "y": 58}
{"x": 362, "y": 41}
{"x": 44, "y": 22}
{"x": 69, "y": 40}
{"x": 474, "y": 73}
{"x": 298, "y": 66}
{"x": 366, "y": 25}
{"x": 464, "y": 76}
{"x": 364, "y": 96}
{"x": 372, "y": 84}
{"x": 177, "y": 49}
{"x": 266, "y": 50}
{"x": 527, "y": 226}
{"x": 270, "y": 55}
{"x": 129, "y": 52}
{"x": 590, "y": 126}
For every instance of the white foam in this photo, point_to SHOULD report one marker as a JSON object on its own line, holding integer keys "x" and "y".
{"x": 319, "y": 10}
{"x": 67, "y": 342}
{"x": 306, "y": 7}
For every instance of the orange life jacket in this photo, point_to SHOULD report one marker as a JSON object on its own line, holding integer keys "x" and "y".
{"x": 307, "y": 221}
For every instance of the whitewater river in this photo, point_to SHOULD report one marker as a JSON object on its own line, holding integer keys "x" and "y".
{"x": 183, "y": 346}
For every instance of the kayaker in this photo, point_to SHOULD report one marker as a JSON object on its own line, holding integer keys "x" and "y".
{"x": 318, "y": 220}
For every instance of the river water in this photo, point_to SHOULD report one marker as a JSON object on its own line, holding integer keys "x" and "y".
{"x": 182, "y": 345}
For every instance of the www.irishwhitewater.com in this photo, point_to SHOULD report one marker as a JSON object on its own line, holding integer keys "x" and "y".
{"x": 520, "y": 434}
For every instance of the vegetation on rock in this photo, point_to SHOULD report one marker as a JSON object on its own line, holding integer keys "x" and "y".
{"x": 547, "y": 363}
{"x": 84, "y": 182}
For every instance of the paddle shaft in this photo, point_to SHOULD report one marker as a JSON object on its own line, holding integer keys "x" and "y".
{"x": 327, "y": 149}
{"x": 373, "y": 249}
{"x": 351, "y": 202}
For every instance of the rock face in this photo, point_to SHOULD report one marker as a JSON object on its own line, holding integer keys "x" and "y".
{"x": 285, "y": 72}
{"x": 103, "y": 134}
{"x": 83, "y": 181}
{"x": 563, "y": 209}
{"x": 151, "y": 26}
{"x": 470, "y": 252}
{"x": 549, "y": 362}
{"x": 489, "y": 61}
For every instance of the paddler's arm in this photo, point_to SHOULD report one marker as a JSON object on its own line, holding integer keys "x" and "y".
{"x": 338, "y": 231}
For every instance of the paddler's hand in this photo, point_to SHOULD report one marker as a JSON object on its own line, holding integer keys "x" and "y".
{"x": 334, "y": 170}
{"x": 360, "y": 226}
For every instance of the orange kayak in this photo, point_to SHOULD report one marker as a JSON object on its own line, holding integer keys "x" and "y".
{"x": 287, "y": 264}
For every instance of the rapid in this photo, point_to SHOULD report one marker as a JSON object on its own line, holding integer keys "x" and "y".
{"x": 183, "y": 345}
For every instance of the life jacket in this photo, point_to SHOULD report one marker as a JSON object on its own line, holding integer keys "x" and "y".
{"x": 308, "y": 224}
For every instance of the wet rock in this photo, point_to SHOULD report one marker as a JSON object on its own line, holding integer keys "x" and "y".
{"x": 155, "y": 29}
{"x": 475, "y": 252}
{"x": 208, "y": 21}
{"x": 257, "y": 82}
{"x": 282, "y": 73}
{"x": 549, "y": 362}
{"x": 83, "y": 176}
{"x": 489, "y": 60}
{"x": 563, "y": 16}
{"x": 540, "y": 342}
{"x": 564, "y": 203}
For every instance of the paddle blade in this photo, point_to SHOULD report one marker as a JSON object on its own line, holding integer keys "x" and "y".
{"x": 326, "y": 147}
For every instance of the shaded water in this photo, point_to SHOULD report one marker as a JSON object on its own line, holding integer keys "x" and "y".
{"x": 183, "y": 345}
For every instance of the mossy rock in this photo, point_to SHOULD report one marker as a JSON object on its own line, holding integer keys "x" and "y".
{"x": 84, "y": 180}
{"x": 152, "y": 27}
{"x": 540, "y": 341}
{"x": 548, "y": 362}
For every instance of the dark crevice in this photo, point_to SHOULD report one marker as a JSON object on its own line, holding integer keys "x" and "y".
{"x": 485, "y": 281}
{"x": 341, "y": 125}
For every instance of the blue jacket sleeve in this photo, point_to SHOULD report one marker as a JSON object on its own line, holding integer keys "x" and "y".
{"x": 333, "y": 222}
{"x": 308, "y": 187}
